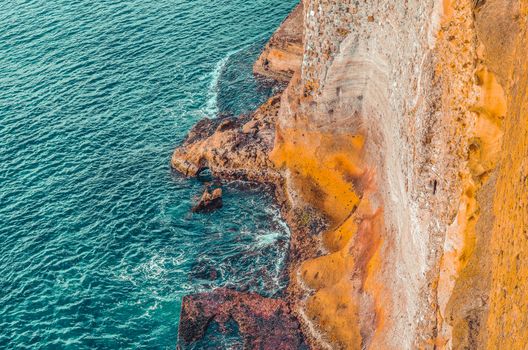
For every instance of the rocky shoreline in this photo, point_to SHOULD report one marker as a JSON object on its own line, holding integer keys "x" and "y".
{"x": 239, "y": 148}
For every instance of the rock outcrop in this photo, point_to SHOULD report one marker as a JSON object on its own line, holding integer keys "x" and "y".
{"x": 264, "y": 323}
{"x": 405, "y": 131}
{"x": 231, "y": 147}
{"x": 209, "y": 201}
{"x": 283, "y": 54}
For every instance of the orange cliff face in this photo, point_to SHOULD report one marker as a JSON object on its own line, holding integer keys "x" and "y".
{"x": 328, "y": 170}
{"x": 282, "y": 56}
{"x": 347, "y": 142}
{"x": 407, "y": 132}
{"x": 506, "y": 54}
{"x": 485, "y": 247}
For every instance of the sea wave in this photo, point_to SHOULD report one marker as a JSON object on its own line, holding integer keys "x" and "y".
{"x": 211, "y": 106}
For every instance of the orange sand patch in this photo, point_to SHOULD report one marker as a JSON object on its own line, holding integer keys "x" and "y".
{"x": 335, "y": 310}
{"x": 340, "y": 280}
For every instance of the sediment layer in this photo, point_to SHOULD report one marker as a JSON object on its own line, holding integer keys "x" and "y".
{"x": 399, "y": 151}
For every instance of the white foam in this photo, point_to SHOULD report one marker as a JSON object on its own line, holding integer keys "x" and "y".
{"x": 211, "y": 105}
{"x": 269, "y": 238}
{"x": 154, "y": 268}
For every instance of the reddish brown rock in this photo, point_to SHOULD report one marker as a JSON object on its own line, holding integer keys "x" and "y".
{"x": 264, "y": 323}
{"x": 209, "y": 201}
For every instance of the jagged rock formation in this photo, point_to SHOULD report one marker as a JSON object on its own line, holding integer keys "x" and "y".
{"x": 209, "y": 201}
{"x": 264, "y": 323}
{"x": 405, "y": 127}
{"x": 231, "y": 147}
{"x": 283, "y": 53}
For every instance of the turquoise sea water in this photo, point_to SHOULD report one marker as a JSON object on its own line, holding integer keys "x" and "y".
{"x": 97, "y": 243}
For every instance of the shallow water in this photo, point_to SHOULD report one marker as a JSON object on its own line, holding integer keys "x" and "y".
{"x": 98, "y": 243}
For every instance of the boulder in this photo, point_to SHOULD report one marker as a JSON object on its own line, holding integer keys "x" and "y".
{"x": 210, "y": 200}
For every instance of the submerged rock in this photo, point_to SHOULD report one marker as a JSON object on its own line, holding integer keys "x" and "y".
{"x": 210, "y": 200}
{"x": 264, "y": 323}
{"x": 204, "y": 271}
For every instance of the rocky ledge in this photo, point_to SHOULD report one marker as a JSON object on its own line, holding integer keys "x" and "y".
{"x": 231, "y": 147}
{"x": 264, "y": 323}
{"x": 283, "y": 53}
{"x": 239, "y": 148}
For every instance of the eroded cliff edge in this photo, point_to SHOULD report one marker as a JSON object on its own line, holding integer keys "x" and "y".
{"x": 399, "y": 151}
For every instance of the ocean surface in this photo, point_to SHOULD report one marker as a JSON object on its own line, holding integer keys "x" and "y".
{"x": 97, "y": 241}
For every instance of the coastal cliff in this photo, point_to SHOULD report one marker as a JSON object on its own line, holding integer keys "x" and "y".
{"x": 399, "y": 152}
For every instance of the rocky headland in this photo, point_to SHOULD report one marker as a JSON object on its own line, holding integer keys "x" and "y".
{"x": 399, "y": 154}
